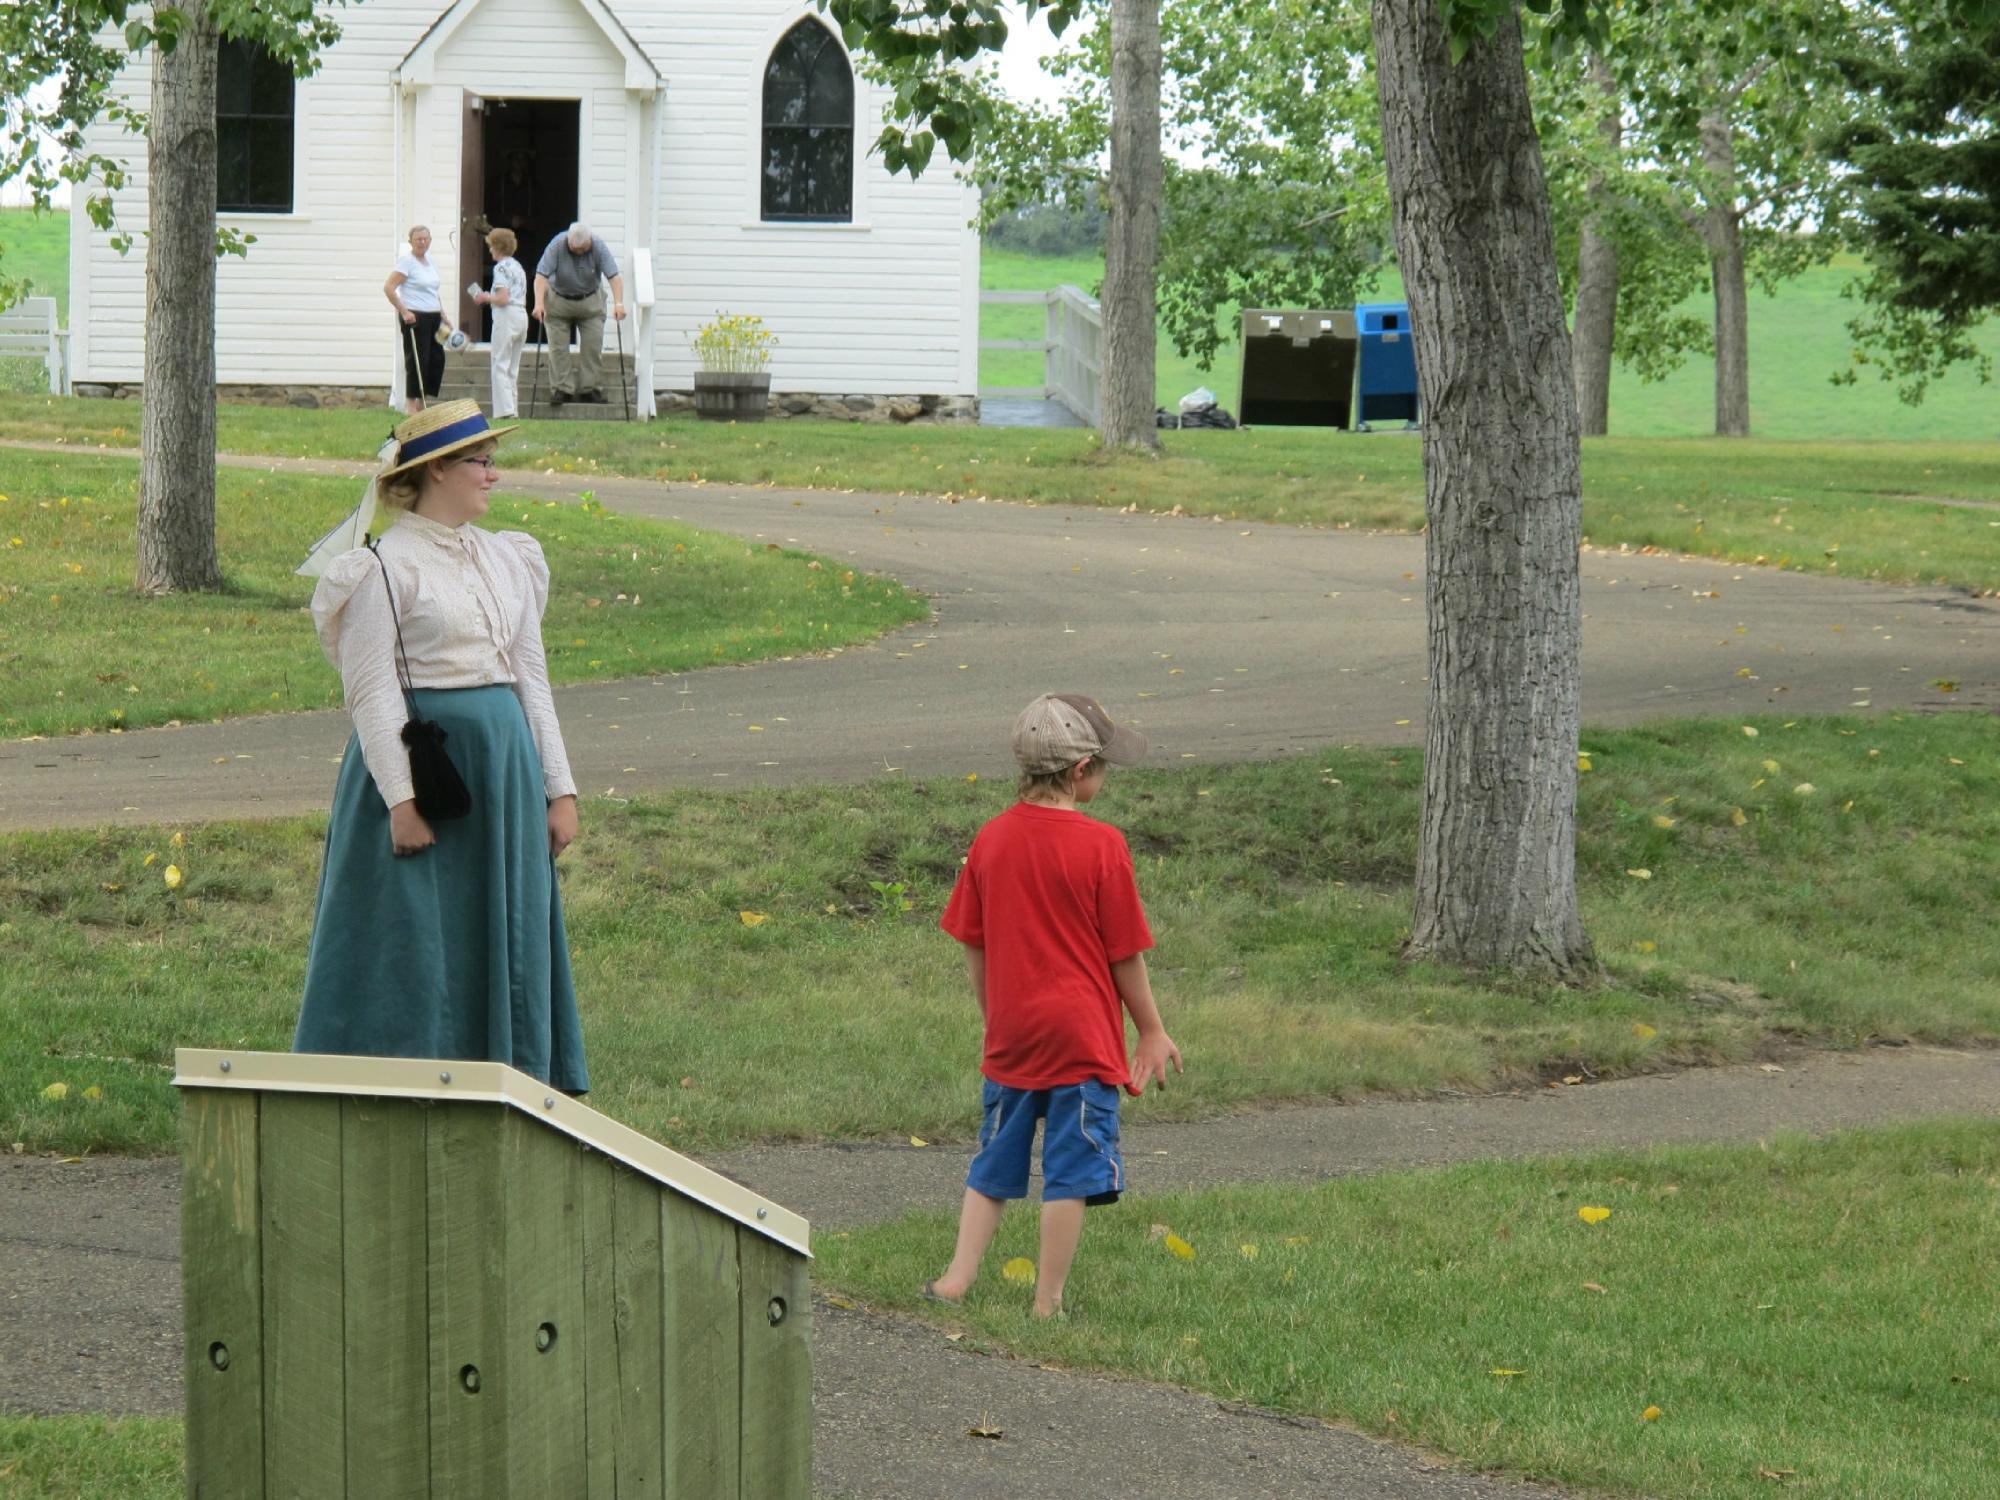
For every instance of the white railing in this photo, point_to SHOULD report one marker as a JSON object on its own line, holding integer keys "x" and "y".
{"x": 1072, "y": 350}
{"x": 642, "y": 335}
{"x": 30, "y": 329}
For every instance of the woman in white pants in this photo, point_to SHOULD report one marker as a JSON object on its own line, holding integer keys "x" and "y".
{"x": 509, "y": 301}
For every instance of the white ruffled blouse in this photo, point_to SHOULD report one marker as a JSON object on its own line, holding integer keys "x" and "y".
{"x": 471, "y": 603}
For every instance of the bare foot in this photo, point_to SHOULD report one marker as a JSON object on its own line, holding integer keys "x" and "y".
{"x": 1048, "y": 1309}
{"x": 934, "y": 1291}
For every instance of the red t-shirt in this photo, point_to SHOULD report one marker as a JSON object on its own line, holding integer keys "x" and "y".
{"x": 1051, "y": 896}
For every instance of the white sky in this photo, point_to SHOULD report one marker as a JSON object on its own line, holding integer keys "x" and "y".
{"x": 1020, "y": 74}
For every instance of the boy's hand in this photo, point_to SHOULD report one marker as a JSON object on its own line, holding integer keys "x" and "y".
{"x": 1151, "y": 1064}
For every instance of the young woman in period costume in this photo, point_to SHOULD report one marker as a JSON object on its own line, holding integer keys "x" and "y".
{"x": 439, "y": 938}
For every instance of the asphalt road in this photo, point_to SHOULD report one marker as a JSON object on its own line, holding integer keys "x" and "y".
{"x": 1222, "y": 640}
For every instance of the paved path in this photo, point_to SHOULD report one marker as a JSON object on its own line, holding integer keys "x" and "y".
{"x": 89, "y": 1282}
{"x": 1223, "y": 640}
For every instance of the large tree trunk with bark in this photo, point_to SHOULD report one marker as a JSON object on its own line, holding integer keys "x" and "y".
{"x": 1496, "y": 871}
{"x": 1722, "y": 230}
{"x": 1127, "y": 382}
{"x": 1597, "y": 277}
{"x": 177, "y": 445}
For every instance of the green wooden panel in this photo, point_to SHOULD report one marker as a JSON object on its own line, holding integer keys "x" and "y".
{"x": 639, "y": 1278}
{"x": 299, "y": 1161}
{"x": 701, "y": 1352}
{"x": 384, "y": 1252}
{"x": 222, "y": 1295}
{"x": 467, "y": 1223}
{"x": 592, "y": 1175}
{"x": 545, "y": 1328}
{"x": 777, "y": 1370}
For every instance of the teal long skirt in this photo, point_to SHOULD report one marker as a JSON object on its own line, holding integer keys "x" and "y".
{"x": 457, "y": 952}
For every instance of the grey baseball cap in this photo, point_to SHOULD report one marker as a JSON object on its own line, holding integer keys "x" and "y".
{"x": 1059, "y": 729}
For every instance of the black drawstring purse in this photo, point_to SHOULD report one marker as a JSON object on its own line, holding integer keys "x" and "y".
{"x": 440, "y": 790}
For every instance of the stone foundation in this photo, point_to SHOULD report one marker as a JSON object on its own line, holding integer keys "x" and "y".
{"x": 941, "y": 410}
{"x": 311, "y": 397}
{"x": 950, "y": 411}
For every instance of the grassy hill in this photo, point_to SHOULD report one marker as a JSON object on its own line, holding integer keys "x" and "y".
{"x": 1798, "y": 337}
{"x": 37, "y": 246}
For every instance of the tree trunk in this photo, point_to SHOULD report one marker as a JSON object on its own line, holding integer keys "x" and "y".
{"x": 1127, "y": 383}
{"x": 1496, "y": 871}
{"x": 177, "y": 443}
{"x": 1597, "y": 277}
{"x": 1721, "y": 227}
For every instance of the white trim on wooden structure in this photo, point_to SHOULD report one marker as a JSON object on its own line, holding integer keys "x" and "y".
{"x": 491, "y": 1083}
{"x": 419, "y": 66}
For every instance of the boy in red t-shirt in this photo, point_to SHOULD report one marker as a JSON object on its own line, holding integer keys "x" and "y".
{"x": 1047, "y": 907}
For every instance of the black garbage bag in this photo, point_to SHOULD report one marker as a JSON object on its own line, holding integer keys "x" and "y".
{"x": 1208, "y": 414}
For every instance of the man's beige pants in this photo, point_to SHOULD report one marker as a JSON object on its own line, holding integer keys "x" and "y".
{"x": 586, "y": 316}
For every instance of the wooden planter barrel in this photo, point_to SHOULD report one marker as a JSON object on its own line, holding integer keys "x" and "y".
{"x": 407, "y": 1279}
{"x": 724, "y": 396}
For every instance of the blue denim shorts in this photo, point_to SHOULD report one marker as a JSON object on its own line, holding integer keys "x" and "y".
{"x": 1079, "y": 1142}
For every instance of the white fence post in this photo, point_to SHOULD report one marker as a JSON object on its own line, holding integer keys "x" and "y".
{"x": 642, "y": 335}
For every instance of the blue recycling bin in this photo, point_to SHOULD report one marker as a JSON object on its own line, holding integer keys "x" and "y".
{"x": 1388, "y": 363}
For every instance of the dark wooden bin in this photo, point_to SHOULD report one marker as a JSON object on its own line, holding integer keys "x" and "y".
{"x": 441, "y": 1279}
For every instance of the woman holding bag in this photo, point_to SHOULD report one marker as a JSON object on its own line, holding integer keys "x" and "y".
{"x": 509, "y": 301}
{"x": 439, "y": 929}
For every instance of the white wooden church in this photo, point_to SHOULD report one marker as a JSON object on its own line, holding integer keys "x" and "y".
{"x": 721, "y": 148}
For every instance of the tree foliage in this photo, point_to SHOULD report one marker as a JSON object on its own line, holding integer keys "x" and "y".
{"x": 59, "y": 64}
{"x": 1926, "y": 164}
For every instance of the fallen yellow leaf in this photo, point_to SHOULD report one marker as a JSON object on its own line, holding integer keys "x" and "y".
{"x": 151, "y": 860}
{"x": 1804, "y": 789}
{"x": 1019, "y": 1269}
{"x": 1583, "y": 762}
{"x": 1738, "y": 816}
{"x": 56, "y": 1091}
{"x": 93, "y": 1092}
{"x": 917, "y": 1140}
{"x": 1661, "y": 820}
{"x": 1591, "y": 1286}
{"x": 1640, "y": 874}
{"x": 753, "y": 918}
{"x": 1179, "y": 1246}
{"x": 1772, "y": 767}
{"x": 179, "y": 839}
{"x": 1643, "y": 1032}
{"x": 1249, "y": 1251}
{"x": 172, "y": 876}
{"x": 1590, "y": 1213}
{"x": 1506, "y": 1372}
{"x": 1651, "y": 1414}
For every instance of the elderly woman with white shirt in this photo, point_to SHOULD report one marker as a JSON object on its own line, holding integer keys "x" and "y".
{"x": 412, "y": 289}
{"x": 435, "y": 938}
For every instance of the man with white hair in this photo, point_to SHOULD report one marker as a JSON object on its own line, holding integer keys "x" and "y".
{"x": 566, "y": 299}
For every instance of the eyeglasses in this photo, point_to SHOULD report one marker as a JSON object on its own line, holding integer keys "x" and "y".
{"x": 484, "y": 461}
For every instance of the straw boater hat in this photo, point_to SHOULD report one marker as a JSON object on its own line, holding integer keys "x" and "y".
{"x": 438, "y": 430}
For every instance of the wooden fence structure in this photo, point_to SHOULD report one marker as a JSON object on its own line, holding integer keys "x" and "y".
{"x": 1072, "y": 348}
{"x": 443, "y": 1280}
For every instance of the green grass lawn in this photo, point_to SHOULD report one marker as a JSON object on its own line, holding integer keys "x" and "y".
{"x": 1801, "y": 1318}
{"x": 1280, "y": 894}
{"x": 80, "y": 650}
{"x": 34, "y": 248}
{"x": 1902, "y": 512}
{"x": 91, "y": 1458}
{"x": 1798, "y": 339}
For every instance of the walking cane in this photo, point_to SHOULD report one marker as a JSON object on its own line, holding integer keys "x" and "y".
{"x": 624, "y": 387}
{"x": 535, "y": 393}
{"x": 416, "y": 366}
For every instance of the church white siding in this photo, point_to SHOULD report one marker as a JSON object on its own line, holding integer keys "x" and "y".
{"x": 887, "y": 304}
